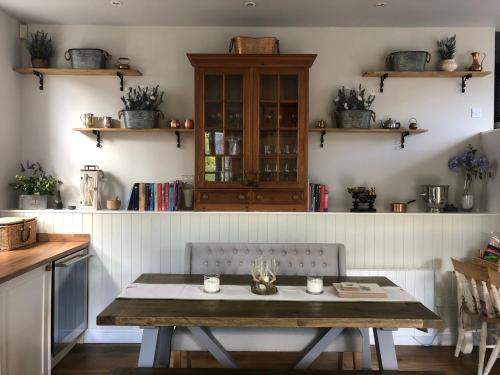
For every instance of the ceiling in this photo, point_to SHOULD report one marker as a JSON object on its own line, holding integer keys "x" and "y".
{"x": 397, "y": 13}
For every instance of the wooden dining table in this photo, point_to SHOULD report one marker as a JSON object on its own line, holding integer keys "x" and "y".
{"x": 159, "y": 317}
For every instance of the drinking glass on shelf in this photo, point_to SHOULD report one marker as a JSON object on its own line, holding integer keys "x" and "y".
{"x": 237, "y": 118}
{"x": 293, "y": 119}
{"x": 268, "y": 149}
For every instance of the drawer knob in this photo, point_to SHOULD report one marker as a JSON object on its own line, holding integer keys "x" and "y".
{"x": 260, "y": 197}
{"x": 295, "y": 197}
{"x": 241, "y": 196}
{"x": 204, "y": 196}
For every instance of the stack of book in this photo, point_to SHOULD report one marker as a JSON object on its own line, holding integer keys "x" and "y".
{"x": 356, "y": 290}
{"x": 155, "y": 197}
{"x": 318, "y": 198}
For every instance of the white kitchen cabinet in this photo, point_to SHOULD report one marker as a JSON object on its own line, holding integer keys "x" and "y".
{"x": 25, "y": 321}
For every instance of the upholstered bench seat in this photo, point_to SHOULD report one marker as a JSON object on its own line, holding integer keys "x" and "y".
{"x": 268, "y": 339}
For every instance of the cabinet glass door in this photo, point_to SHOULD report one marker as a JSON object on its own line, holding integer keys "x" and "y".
{"x": 223, "y": 128}
{"x": 278, "y": 127}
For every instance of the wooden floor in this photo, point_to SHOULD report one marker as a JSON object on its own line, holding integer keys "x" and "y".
{"x": 100, "y": 358}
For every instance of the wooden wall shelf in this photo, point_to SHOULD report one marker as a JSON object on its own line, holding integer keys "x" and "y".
{"x": 404, "y": 132}
{"x": 463, "y": 74}
{"x": 97, "y": 132}
{"x": 41, "y": 72}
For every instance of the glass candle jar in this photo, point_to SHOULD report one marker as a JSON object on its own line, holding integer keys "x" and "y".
{"x": 314, "y": 284}
{"x": 211, "y": 283}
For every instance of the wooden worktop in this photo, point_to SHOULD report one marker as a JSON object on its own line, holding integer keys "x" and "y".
{"x": 48, "y": 248}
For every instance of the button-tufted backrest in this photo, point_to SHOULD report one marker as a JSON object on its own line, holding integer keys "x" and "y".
{"x": 292, "y": 258}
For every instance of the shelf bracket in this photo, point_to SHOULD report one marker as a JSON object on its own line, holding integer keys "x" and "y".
{"x": 383, "y": 77}
{"x": 464, "y": 79}
{"x": 403, "y": 136}
{"x": 178, "y": 135}
{"x": 98, "y": 138}
{"x": 323, "y": 132}
{"x": 40, "y": 78}
{"x": 120, "y": 76}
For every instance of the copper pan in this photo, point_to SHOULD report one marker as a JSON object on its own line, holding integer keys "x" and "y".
{"x": 401, "y": 208}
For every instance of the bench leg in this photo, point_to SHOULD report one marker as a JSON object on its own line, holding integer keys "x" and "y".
{"x": 340, "y": 361}
{"x": 386, "y": 352}
{"x": 357, "y": 360}
{"x": 205, "y": 338}
{"x": 316, "y": 348}
{"x": 155, "y": 347}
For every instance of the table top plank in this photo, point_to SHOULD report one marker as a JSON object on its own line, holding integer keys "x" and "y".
{"x": 223, "y": 313}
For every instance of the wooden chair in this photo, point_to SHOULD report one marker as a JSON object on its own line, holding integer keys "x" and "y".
{"x": 492, "y": 309}
{"x": 469, "y": 301}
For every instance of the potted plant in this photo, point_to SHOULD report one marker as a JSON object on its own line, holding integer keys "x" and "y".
{"x": 40, "y": 48}
{"x": 473, "y": 167}
{"x": 34, "y": 185}
{"x": 141, "y": 107}
{"x": 352, "y": 108}
{"x": 447, "y": 49}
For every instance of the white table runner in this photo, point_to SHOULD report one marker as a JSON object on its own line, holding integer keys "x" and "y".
{"x": 243, "y": 293}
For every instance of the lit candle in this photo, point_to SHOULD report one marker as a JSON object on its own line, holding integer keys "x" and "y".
{"x": 211, "y": 283}
{"x": 314, "y": 285}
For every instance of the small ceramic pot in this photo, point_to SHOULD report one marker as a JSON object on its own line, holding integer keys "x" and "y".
{"x": 189, "y": 124}
{"x": 39, "y": 63}
{"x": 175, "y": 124}
{"x": 113, "y": 204}
{"x": 449, "y": 65}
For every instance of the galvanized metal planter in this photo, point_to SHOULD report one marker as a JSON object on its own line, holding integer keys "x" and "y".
{"x": 408, "y": 61}
{"x": 87, "y": 58}
{"x": 32, "y": 202}
{"x": 139, "y": 119}
{"x": 355, "y": 118}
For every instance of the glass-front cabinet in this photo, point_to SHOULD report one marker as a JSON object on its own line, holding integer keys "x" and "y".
{"x": 251, "y": 131}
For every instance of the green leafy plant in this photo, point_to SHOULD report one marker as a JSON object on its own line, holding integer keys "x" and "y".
{"x": 143, "y": 98}
{"x": 40, "y": 46}
{"x": 447, "y": 47}
{"x": 353, "y": 99}
{"x": 33, "y": 180}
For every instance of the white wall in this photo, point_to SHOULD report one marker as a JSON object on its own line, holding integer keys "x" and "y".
{"x": 343, "y": 54}
{"x": 10, "y": 131}
{"x": 491, "y": 146}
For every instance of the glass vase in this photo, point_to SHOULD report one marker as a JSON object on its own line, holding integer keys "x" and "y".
{"x": 468, "y": 194}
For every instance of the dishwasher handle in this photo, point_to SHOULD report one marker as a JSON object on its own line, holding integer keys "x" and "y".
{"x": 73, "y": 261}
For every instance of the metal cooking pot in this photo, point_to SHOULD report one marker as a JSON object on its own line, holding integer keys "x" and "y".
{"x": 401, "y": 207}
{"x": 436, "y": 197}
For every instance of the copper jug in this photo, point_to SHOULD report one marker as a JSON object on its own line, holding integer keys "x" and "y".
{"x": 476, "y": 65}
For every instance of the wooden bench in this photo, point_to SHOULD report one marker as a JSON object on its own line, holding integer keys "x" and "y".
{"x": 216, "y": 371}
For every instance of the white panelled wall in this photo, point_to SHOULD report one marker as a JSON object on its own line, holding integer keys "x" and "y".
{"x": 126, "y": 244}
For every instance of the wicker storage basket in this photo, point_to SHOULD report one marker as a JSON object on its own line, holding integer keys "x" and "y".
{"x": 247, "y": 45}
{"x": 17, "y": 232}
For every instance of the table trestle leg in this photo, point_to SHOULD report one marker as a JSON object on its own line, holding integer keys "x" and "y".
{"x": 366, "y": 356}
{"x": 155, "y": 347}
{"x": 316, "y": 348}
{"x": 205, "y": 338}
{"x": 386, "y": 351}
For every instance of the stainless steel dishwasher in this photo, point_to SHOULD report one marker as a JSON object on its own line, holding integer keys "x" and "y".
{"x": 69, "y": 302}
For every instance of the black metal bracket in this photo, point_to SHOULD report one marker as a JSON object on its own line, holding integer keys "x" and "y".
{"x": 403, "y": 136}
{"x": 383, "y": 77}
{"x": 40, "y": 78}
{"x": 98, "y": 138}
{"x": 178, "y": 135}
{"x": 323, "y": 132}
{"x": 120, "y": 76}
{"x": 464, "y": 79}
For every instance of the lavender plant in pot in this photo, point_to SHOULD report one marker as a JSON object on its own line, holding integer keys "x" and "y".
{"x": 34, "y": 185}
{"x": 141, "y": 107}
{"x": 352, "y": 108}
{"x": 447, "y": 49}
{"x": 40, "y": 47}
{"x": 473, "y": 167}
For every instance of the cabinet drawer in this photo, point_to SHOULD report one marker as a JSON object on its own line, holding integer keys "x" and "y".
{"x": 278, "y": 196}
{"x": 223, "y": 196}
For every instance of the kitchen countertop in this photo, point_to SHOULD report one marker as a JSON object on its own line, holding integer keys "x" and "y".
{"x": 49, "y": 247}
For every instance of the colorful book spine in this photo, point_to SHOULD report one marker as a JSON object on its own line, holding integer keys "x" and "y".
{"x": 318, "y": 198}
{"x": 159, "y": 194}
{"x": 142, "y": 197}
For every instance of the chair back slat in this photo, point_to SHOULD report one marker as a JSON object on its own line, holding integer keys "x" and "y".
{"x": 495, "y": 289}
{"x": 471, "y": 295}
